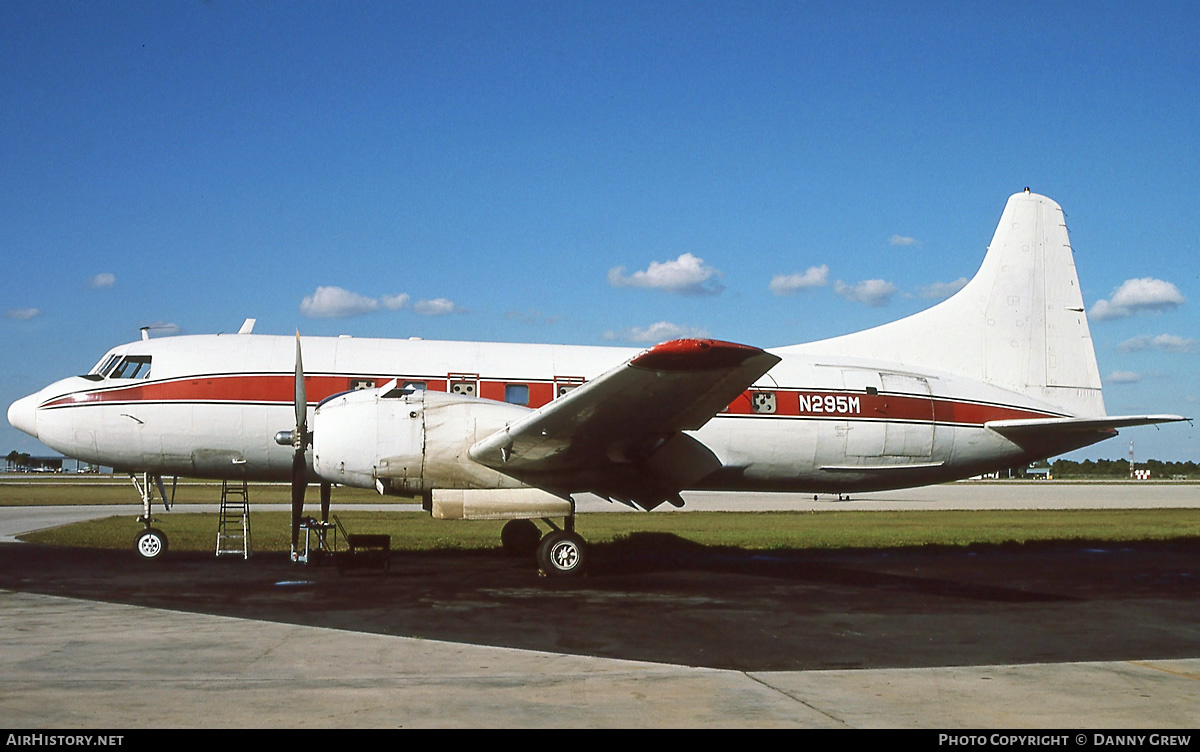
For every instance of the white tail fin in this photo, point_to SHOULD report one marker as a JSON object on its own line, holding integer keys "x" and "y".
{"x": 1018, "y": 324}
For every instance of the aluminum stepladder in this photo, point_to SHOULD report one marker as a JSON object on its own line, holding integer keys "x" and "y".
{"x": 233, "y": 530}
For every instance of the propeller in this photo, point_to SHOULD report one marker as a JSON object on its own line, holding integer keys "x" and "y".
{"x": 300, "y": 440}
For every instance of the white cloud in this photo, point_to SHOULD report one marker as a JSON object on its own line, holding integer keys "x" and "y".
{"x": 437, "y": 307}
{"x": 395, "y": 302}
{"x": 1145, "y": 295}
{"x": 942, "y": 290}
{"x": 873, "y": 292}
{"x": 103, "y": 279}
{"x": 686, "y": 275}
{"x": 790, "y": 284}
{"x": 902, "y": 240}
{"x": 336, "y": 302}
{"x": 1124, "y": 377}
{"x": 1164, "y": 342}
{"x": 532, "y": 316}
{"x": 657, "y": 332}
{"x": 22, "y": 314}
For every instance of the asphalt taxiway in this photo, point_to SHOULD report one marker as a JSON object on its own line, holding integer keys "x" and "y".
{"x": 662, "y": 633}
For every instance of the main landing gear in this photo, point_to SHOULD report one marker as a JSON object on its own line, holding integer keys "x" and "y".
{"x": 559, "y": 553}
{"x": 520, "y": 538}
{"x": 562, "y": 554}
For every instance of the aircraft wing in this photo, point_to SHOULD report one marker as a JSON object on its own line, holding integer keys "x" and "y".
{"x": 620, "y": 435}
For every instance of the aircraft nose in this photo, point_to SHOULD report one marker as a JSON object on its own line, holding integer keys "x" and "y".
{"x": 22, "y": 414}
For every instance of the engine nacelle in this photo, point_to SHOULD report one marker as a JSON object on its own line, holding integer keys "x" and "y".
{"x": 407, "y": 442}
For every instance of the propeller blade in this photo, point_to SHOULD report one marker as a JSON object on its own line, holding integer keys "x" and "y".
{"x": 301, "y": 399}
{"x": 299, "y": 444}
{"x": 299, "y": 484}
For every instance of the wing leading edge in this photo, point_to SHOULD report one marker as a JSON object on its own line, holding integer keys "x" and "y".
{"x": 621, "y": 434}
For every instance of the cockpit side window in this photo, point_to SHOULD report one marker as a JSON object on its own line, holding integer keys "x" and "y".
{"x": 105, "y": 365}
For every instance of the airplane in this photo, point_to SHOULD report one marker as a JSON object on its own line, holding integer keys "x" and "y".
{"x": 1000, "y": 374}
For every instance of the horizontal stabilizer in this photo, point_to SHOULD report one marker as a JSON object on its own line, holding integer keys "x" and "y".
{"x": 1015, "y": 429}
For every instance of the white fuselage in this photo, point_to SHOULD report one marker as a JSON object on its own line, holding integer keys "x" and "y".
{"x": 210, "y": 405}
{"x": 1001, "y": 373}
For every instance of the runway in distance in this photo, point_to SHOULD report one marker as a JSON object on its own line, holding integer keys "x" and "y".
{"x": 1000, "y": 374}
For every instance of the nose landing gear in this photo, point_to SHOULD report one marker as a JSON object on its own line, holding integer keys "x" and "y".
{"x": 150, "y": 544}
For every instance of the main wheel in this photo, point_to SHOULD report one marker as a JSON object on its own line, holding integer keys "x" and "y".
{"x": 520, "y": 537}
{"x": 150, "y": 544}
{"x": 562, "y": 554}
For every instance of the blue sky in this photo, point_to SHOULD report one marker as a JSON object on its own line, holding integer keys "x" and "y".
{"x": 588, "y": 173}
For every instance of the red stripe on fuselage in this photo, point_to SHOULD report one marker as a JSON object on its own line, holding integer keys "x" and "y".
{"x": 235, "y": 388}
{"x": 279, "y": 388}
{"x": 879, "y": 406}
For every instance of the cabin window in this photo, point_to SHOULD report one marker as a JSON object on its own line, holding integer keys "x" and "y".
{"x": 763, "y": 402}
{"x": 564, "y": 384}
{"x": 413, "y": 386}
{"x": 357, "y": 384}
{"x": 132, "y": 367}
{"x": 465, "y": 388}
{"x": 516, "y": 394}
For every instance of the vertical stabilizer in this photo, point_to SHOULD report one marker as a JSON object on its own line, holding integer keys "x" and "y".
{"x": 1018, "y": 324}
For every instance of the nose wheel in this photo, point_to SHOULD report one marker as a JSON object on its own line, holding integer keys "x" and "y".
{"x": 150, "y": 544}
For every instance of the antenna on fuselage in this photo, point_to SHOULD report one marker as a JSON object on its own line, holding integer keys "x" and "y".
{"x": 168, "y": 328}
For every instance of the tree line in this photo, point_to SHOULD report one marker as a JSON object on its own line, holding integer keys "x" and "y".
{"x": 1120, "y": 469}
{"x": 18, "y": 460}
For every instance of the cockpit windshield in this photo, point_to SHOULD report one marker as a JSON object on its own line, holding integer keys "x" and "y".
{"x": 114, "y": 366}
{"x": 132, "y": 367}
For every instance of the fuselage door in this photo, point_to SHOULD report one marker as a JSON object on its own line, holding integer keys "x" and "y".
{"x": 864, "y": 436}
{"x": 908, "y": 405}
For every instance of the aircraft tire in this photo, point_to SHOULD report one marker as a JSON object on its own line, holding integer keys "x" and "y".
{"x": 520, "y": 538}
{"x": 562, "y": 554}
{"x": 150, "y": 544}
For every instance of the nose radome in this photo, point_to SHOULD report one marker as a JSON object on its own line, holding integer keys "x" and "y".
{"x": 22, "y": 414}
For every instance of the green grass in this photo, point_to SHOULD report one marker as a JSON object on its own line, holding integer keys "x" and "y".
{"x": 418, "y": 531}
{"x": 99, "y": 489}
{"x": 750, "y": 530}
